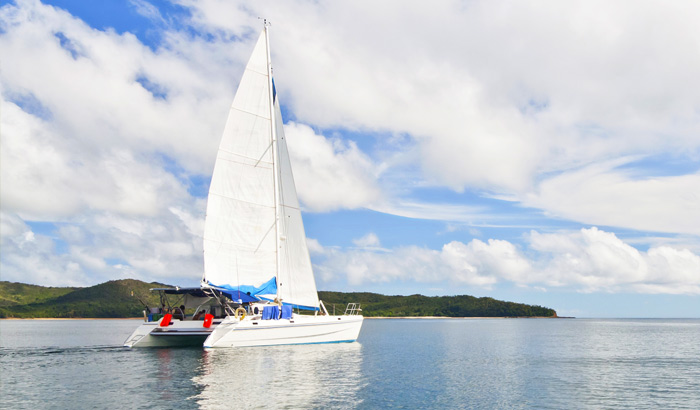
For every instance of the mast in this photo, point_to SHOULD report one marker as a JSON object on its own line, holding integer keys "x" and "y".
{"x": 275, "y": 158}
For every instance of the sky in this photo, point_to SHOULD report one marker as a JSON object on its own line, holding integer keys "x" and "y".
{"x": 538, "y": 152}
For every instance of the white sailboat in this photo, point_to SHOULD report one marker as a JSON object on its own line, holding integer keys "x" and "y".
{"x": 254, "y": 239}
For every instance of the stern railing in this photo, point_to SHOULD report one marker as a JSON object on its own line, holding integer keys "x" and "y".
{"x": 353, "y": 309}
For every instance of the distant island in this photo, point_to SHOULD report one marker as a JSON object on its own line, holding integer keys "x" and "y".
{"x": 120, "y": 299}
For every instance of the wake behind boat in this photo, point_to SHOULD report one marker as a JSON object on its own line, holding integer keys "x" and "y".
{"x": 254, "y": 239}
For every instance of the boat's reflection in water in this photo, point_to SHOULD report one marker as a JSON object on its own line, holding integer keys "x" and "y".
{"x": 302, "y": 376}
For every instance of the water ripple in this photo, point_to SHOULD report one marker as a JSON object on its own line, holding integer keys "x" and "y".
{"x": 398, "y": 364}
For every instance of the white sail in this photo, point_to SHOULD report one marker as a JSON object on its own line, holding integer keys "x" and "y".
{"x": 242, "y": 259}
{"x": 241, "y": 224}
{"x": 239, "y": 231}
{"x": 295, "y": 280}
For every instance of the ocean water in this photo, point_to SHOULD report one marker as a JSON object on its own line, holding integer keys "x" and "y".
{"x": 417, "y": 363}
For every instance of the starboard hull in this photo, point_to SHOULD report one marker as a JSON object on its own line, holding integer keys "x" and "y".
{"x": 299, "y": 330}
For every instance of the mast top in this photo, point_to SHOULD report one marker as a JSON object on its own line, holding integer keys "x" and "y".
{"x": 266, "y": 23}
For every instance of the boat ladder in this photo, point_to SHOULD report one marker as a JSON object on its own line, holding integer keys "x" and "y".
{"x": 228, "y": 309}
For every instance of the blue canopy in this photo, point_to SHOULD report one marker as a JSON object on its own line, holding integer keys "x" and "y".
{"x": 248, "y": 293}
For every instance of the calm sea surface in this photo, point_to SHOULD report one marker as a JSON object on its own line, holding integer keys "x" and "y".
{"x": 451, "y": 363}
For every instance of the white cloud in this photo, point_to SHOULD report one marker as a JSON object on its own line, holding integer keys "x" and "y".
{"x": 44, "y": 178}
{"x": 589, "y": 260}
{"x": 476, "y": 263}
{"x": 497, "y": 96}
{"x": 368, "y": 241}
{"x": 31, "y": 258}
{"x": 330, "y": 174}
{"x": 498, "y": 111}
{"x": 97, "y": 97}
{"x": 600, "y": 194}
{"x": 431, "y": 210}
{"x": 11, "y": 226}
{"x": 495, "y": 115}
{"x": 594, "y": 260}
{"x": 147, "y": 10}
{"x": 86, "y": 144}
{"x": 101, "y": 247}
{"x": 492, "y": 259}
{"x": 314, "y": 246}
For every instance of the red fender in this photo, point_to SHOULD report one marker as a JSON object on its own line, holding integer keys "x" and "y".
{"x": 207, "y": 320}
{"x": 166, "y": 320}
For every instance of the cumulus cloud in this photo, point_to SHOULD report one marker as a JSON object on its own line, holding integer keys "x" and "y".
{"x": 101, "y": 247}
{"x": 30, "y": 258}
{"x": 44, "y": 178}
{"x": 476, "y": 263}
{"x": 314, "y": 246}
{"x": 367, "y": 241}
{"x": 100, "y": 134}
{"x": 602, "y": 194}
{"x": 499, "y": 97}
{"x": 102, "y": 90}
{"x": 589, "y": 260}
{"x": 330, "y": 174}
{"x": 595, "y": 260}
{"x": 84, "y": 125}
{"x": 498, "y": 115}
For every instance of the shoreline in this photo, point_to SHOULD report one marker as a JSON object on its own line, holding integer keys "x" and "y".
{"x": 469, "y": 317}
{"x": 70, "y": 318}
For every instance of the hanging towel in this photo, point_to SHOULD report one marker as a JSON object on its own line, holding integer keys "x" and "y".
{"x": 271, "y": 313}
{"x": 286, "y": 312}
{"x": 267, "y": 313}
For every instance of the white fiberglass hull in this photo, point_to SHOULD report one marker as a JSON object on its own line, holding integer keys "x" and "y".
{"x": 179, "y": 333}
{"x": 298, "y": 330}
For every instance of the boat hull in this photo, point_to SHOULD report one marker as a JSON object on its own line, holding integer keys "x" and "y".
{"x": 178, "y": 334}
{"x": 298, "y": 330}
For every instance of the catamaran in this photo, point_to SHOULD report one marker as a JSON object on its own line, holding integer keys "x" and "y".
{"x": 257, "y": 269}
{"x": 254, "y": 240}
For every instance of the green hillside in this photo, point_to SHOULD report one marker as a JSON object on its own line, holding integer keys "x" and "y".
{"x": 13, "y": 294}
{"x": 418, "y": 305}
{"x": 114, "y": 299}
{"x": 107, "y": 300}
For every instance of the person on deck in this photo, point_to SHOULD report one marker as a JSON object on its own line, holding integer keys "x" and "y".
{"x": 179, "y": 313}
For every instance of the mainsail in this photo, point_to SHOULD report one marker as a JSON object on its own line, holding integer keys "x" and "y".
{"x": 254, "y": 239}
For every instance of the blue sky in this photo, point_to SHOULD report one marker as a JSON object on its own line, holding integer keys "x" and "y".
{"x": 534, "y": 153}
